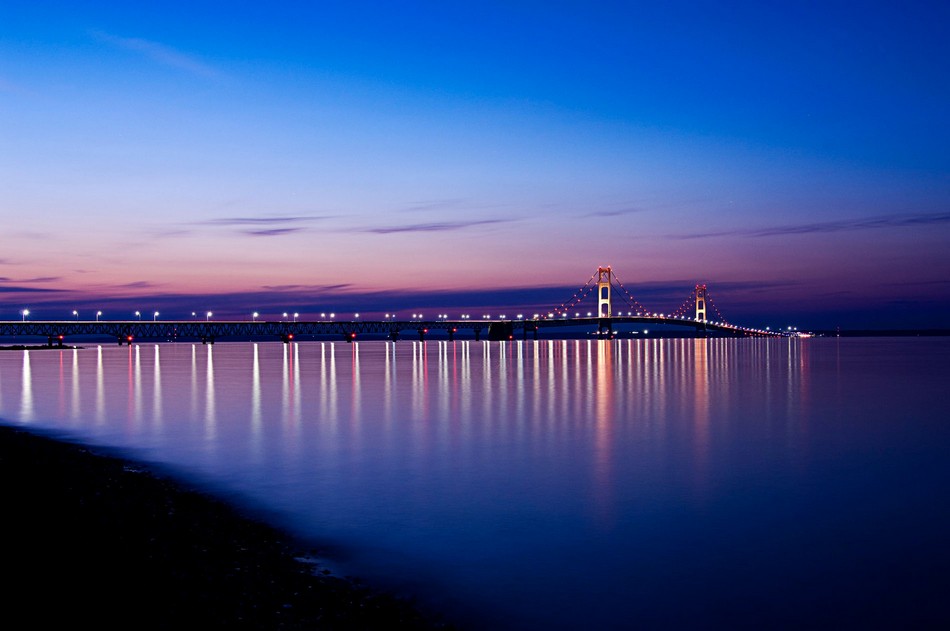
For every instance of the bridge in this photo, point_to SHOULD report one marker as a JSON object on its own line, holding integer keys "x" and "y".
{"x": 615, "y": 307}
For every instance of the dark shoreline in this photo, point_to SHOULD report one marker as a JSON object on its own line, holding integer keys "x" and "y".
{"x": 90, "y": 537}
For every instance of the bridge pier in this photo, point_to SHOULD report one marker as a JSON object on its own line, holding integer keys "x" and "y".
{"x": 605, "y": 329}
{"x": 208, "y": 339}
{"x": 349, "y": 336}
{"x": 286, "y": 338}
{"x": 422, "y": 334}
{"x": 478, "y": 334}
{"x": 499, "y": 331}
{"x": 452, "y": 334}
{"x": 394, "y": 336}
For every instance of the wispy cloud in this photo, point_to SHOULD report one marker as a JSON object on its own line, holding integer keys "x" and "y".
{"x": 139, "y": 284}
{"x": 435, "y": 204}
{"x": 615, "y": 213}
{"x": 870, "y": 223}
{"x": 307, "y": 288}
{"x": 271, "y": 232}
{"x": 261, "y": 221}
{"x": 161, "y": 54}
{"x": 38, "y": 279}
{"x": 17, "y": 289}
{"x": 265, "y": 226}
{"x": 442, "y": 226}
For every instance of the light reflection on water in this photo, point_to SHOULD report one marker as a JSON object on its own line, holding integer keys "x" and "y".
{"x": 557, "y": 483}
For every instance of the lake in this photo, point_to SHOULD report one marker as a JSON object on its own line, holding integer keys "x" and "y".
{"x": 557, "y": 484}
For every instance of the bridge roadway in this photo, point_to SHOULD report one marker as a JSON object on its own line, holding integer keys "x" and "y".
{"x": 128, "y": 331}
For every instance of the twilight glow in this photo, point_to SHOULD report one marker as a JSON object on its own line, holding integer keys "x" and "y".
{"x": 375, "y": 156}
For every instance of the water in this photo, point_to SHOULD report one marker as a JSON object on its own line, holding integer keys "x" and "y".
{"x": 558, "y": 484}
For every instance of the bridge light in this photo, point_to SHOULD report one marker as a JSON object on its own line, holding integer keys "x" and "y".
{"x": 254, "y": 316}
{"x": 75, "y": 314}
{"x": 296, "y": 315}
{"x": 332, "y": 315}
{"x": 128, "y": 338}
{"x": 26, "y": 312}
{"x": 138, "y": 314}
{"x": 520, "y": 316}
{"x": 290, "y": 336}
{"x": 285, "y": 315}
{"x": 155, "y": 316}
{"x": 208, "y": 316}
{"x": 356, "y": 315}
{"x": 589, "y": 314}
{"x": 98, "y": 313}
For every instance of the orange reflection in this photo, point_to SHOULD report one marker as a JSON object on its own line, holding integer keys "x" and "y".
{"x": 603, "y": 431}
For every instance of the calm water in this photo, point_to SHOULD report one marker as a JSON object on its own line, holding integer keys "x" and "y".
{"x": 559, "y": 484}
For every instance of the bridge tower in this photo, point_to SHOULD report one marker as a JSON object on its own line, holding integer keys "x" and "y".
{"x": 603, "y": 292}
{"x": 700, "y": 302}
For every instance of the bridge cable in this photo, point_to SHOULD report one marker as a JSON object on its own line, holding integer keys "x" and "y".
{"x": 709, "y": 301}
{"x": 574, "y": 300}
{"x": 628, "y": 297}
{"x": 684, "y": 308}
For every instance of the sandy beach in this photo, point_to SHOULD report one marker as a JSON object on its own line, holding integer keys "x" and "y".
{"x": 95, "y": 539}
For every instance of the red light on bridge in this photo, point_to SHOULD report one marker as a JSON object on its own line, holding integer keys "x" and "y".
{"x": 425, "y": 330}
{"x": 128, "y": 338}
{"x": 352, "y": 336}
{"x": 290, "y": 337}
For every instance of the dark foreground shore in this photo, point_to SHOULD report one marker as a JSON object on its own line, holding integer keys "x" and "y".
{"x": 88, "y": 538}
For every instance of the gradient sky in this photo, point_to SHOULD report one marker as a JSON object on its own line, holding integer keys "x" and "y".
{"x": 381, "y": 156}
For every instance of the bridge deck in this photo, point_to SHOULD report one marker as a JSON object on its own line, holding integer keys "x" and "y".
{"x": 126, "y": 331}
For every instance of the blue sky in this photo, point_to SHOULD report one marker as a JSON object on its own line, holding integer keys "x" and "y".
{"x": 404, "y": 156}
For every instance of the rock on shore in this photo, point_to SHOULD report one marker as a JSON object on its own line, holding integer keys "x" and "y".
{"x": 95, "y": 540}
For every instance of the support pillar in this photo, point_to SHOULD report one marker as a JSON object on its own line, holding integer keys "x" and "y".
{"x": 603, "y": 292}
{"x": 700, "y": 303}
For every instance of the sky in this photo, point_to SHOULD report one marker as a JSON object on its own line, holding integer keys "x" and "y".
{"x": 457, "y": 156}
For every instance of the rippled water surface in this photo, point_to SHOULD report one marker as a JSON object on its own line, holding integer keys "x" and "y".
{"x": 564, "y": 483}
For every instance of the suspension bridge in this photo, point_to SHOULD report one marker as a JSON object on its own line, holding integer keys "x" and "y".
{"x": 603, "y": 306}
